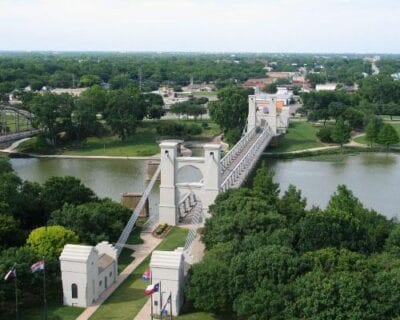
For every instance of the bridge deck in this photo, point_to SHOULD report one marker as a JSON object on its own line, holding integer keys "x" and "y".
{"x": 239, "y": 157}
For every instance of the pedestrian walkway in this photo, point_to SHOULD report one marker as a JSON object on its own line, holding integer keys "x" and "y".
{"x": 197, "y": 253}
{"x": 141, "y": 252}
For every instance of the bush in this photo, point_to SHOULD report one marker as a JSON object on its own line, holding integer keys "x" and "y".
{"x": 193, "y": 129}
{"x": 161, "y": 228}
{"x": 177, "y": 129}
{"x": 232, "y": 136}
{"x": 324, "y": 134}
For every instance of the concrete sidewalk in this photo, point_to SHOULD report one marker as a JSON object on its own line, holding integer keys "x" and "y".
{"x": 197, "y": 253}
{"x": 141, "y": 252}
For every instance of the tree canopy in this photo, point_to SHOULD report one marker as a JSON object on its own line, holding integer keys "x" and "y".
{"x": 270, "y": 257}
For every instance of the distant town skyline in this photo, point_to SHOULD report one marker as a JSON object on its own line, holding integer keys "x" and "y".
{"x": 304, "y": 26}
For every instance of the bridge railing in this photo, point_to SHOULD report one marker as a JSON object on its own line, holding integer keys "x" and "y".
{"x": 186, "y": 204}
{"x": 196, "y": 221}
{"x": 242, "y": 169}
{"x": 132, "y": 220}
{"x": 237, "y": 149}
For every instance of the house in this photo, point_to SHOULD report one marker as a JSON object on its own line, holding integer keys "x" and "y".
{"x": 258, "y": 83}
{"x": 87, "y": 271}
{"x": 72, "y": 91}
{"x": 280, "y": 75}
{"x": 326, "y": 87}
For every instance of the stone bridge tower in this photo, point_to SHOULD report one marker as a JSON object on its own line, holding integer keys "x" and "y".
{"x": 172, "y": 190}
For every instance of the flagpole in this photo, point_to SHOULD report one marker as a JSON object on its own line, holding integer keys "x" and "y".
{"x": 160, "y": 302}
{"x": 44, "y": 289}
{"x": 170, "y": 305}
{"x": 151, "y": 297}
{"x": 16, "y": 293}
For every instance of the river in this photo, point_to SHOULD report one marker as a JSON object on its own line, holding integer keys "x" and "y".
{"x": 374, "y": 178}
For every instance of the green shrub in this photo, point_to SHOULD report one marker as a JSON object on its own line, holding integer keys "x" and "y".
{"x": 176, "y": 129}
{"x": 324, "y": 134}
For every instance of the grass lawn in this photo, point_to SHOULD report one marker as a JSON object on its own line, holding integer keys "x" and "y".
{"x": 205, "y": 94}
{"x": 301, "y": 135}
{"x": 125, "y": 258}
{"x": 144, "y": 142}
{"x": 134, "y": 237}
{"x": 128, "y": 298}
{"x": 53, "y": 311}
{"x": 364, "y": 141}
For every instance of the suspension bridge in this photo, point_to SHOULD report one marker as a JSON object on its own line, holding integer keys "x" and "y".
{"x": 188, "y": 201}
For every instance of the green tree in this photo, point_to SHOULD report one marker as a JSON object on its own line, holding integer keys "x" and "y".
{"x": 340, "y": 132}
{"x": 210, "y": 283}
{"x": 88, "y": 80}
{"x": 125, "y": 108}
{"x": 156, "y": 112}
{"x": 372, "y": 130}
{"x": 354, "y": 117}
{"x": 93, "y": 222}
{"x": 292, "y": 204}
{"x": 121, "y": 81}
{"x": 49, "y": 241}
{"x": 388, "y": 135}
{"x": 10, "y": 233}
{"x": 231, "y": 110}
{"x": 60, "y": 190}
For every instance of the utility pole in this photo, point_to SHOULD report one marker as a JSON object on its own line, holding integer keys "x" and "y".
{"x": 140, "y": 79}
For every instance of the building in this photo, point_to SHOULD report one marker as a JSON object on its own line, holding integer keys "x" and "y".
{"x": 258, "y": 83}
{"x": 167, "y": 268}
{"x": 72, "y": 91}
{"x": 280, "y": 75}
{"x": 326, "y": 87}
{"x": 87, "y": 271}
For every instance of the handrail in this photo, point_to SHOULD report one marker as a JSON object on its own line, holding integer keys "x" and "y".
{"x": 264, "y": 133}
{"x": 195, "y": 224}
{"x": 237, "y": 148}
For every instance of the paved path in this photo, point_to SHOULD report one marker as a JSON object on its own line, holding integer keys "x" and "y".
{"x": 197, "y": 254}
{"x": 302, "y": 150}
{"x": 141, "y": 252}
{"x": 14, "y": 146}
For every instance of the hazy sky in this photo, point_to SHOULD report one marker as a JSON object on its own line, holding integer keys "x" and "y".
{"x": 201, "y": 25}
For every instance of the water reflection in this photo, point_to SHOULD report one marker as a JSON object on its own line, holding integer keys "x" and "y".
{"x": 374, "y": 179}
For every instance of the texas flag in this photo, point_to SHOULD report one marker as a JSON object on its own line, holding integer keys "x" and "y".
{"x": 152, "y": 288}
{"x": 146, "y": 275}
{"x": 38, "y": 266}
{"x": 11, "y": 274}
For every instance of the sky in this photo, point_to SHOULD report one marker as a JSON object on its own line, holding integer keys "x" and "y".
{"x": 328, "y": 26}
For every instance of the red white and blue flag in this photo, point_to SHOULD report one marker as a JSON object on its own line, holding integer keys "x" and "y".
{"x": 146, "y": 275}
{"x": 38, "y": 266}
{"x": 152, "y": 288}
{"x": 11, "y": 274}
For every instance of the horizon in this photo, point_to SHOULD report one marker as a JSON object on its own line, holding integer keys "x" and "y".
{"x": 208, "y": 26}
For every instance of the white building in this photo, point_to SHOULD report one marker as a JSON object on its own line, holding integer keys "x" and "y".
{"x": 167, "y": 268}
{"x": 87, "y": 271}
{"x": 326, "y": 87}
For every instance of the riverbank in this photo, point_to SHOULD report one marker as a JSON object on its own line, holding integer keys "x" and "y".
{"x": 143, "y": 145}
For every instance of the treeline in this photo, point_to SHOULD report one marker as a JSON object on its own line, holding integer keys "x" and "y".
{"x": 377, "y": 95}
{"x": 269, "y": 257}
{"x": 64, "y": 117}
{"x": 37, "y": 220}
{"x": 118, "y": 70}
